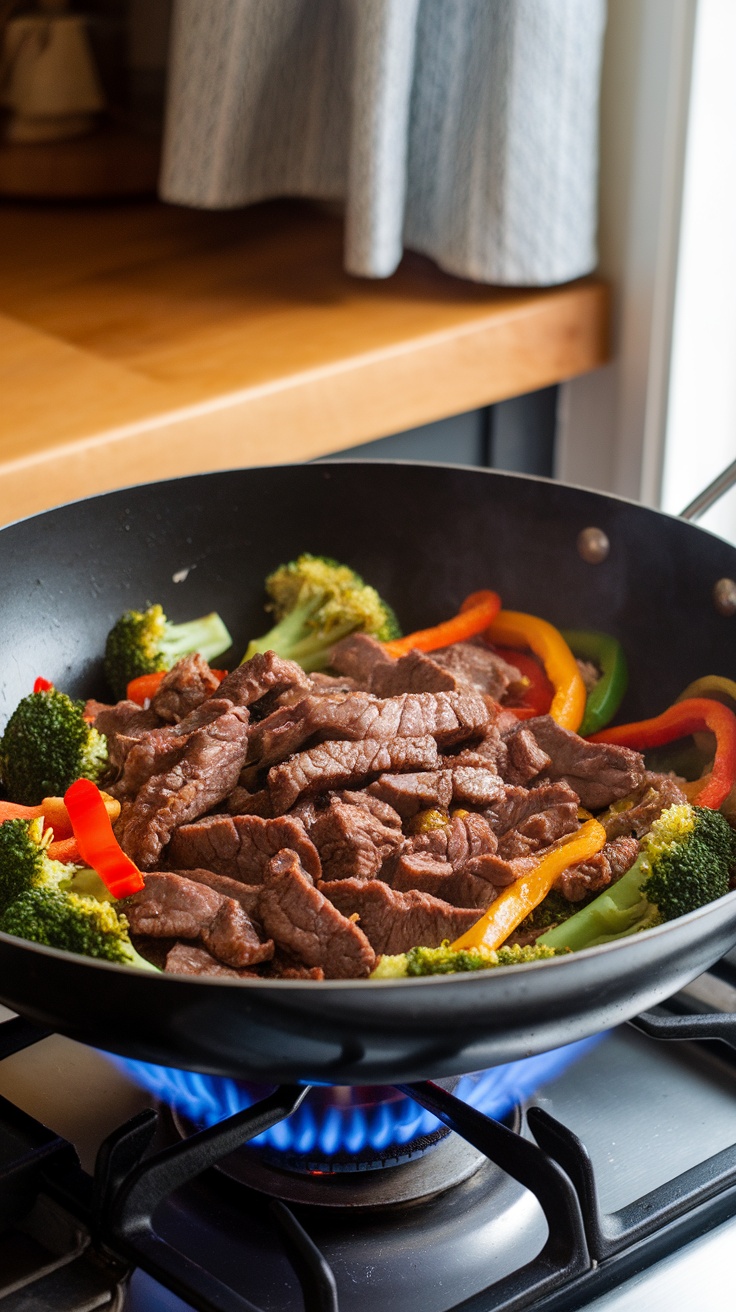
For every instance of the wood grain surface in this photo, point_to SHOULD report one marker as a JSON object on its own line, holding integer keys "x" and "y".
{"x": 139, "y": 341}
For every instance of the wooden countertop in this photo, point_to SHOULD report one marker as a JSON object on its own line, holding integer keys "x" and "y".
{"x": 139, "y": 341}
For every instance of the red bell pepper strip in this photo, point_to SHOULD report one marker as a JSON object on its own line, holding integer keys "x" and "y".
{"x": 42, "y": 685}
{"x": 98, "y": 846}
{"x": 693, "y": 715}
{"x": 476, "y": 613}
{"x": 536, "y": 698}
{"x": 145, "y": 686}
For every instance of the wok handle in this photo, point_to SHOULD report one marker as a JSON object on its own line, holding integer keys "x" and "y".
{"x": 699, "y": 1026}
{"x": 710, "y": 494}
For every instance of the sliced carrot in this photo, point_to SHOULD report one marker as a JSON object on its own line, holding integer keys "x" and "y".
{"x": 54, "y": 812}
{"x": 142, "y": 689}
{"x": 477, "y": 612}
{"x": 66, "y": 850}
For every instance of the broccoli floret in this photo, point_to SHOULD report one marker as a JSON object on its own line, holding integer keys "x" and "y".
{"x": 316, "y": 602}
{"x": 50, "y": 902}
{"x": 24, "y": 861}
{"x": 73, "y": 923}
{"x": 145, "y": 642}
{"x": 685, "y": 861}
{"x": 48, "y": 744}
{"x": 551, "y": 911}
{"x": 445, "y": 960}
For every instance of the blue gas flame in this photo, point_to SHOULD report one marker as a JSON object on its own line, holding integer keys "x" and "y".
{"x": 327, "y": 1128}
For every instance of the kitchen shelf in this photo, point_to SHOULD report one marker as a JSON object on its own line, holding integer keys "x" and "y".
{"x": 139, "y": 341}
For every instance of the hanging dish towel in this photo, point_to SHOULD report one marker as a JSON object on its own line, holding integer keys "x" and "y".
{"x": 465, "y": 129}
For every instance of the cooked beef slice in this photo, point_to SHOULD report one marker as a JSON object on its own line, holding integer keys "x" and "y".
{"x": 171, "y": 906}
{"x": 186, "y": 685}
{"x": 305, "y": 924}
{"x": 449, "y": 718}
{"x": 395, "y": 922}
{"x": 475, "y": 665}
{"x": 188, "y": 959}
{"x": 541, "y": 829}
{"x": 246, "y": 895}
{"x": 489, "y": 753}
{"x": 203, "y": 776}
{"x": 414, "y": 672}
{"x": 284, "y": 966}
{"x": 335, "y": 764}
{"x": 357, "y": 656}
{"x": 461, "y": 839}
{"x": 263, "y": 673}
{"x": 525, "y": 758}
{"x": 241, "y": 846}
{"x": 655, "y": 793}
{"x": 600, "y": 773}
{"x": 595, "y": 874}
{"x": 427, "y": 874}
{"x": 475, "y": 786}
{"x": 363, "y": 798}
{"x": 159, "y": 749}
{"x": 409, "y": 793}
{"x": 326, "y": 685}
{"x": 351, "y": 842}
{"x": 243, "y": 802}
{"x": 123, "y": 725}
{"x": 516, "y": 804}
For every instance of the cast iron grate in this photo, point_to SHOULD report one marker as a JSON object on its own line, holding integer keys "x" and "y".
{"x": 586, "y": 1251}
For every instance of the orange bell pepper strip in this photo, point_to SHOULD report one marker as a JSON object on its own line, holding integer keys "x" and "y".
{"x": 520, "y": 898}
{"x": 693, "y": 715}
{"x": 476, "y": 613}
{"x": 145, "y": 686}
{"x": 54, "y": 812}
{"x": 98, "y": 846}
{"x": 513, "y": 628}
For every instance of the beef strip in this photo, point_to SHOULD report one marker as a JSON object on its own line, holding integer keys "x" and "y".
{"x": 461, "y": 839}
{"x": 374, "y": 805}
{"x": 241, "y": 846}
{"x": 476, "y": 666}
{"x": 655, "y": 793}
{"x": 172, "y": 906}
{"x": 516, "y": 804}
{"x": 202, "y": 777}
{"x": 243, "y": 802}
{"x": 540, "y": 830}
{"x": 335, "y": 764}
{"x": 188, "y": 959}
{"x": 426, "y": 874}
{"x": 449, "y": 718}
{"x": 415, "y": 672}
{"x": 327, "y": 685}
{"x": 475, "y": 786}
{"x": 525, "y": 758}
{"x": 303, "y": 922}
{"x": 352, "y": 843}
{"x": 595, "y": 874}
{"x": 409, "y": 793}
{"x": 246, "y": 895}
{"x": 600, "y": 773}
{"x": 395, "y": 922}
{"x": 123, "y": 725}
{"x": 357, "y": 656}
{"x": 186, "y": 685}
{"x": 264, "y": 673}
{"x": 159, "y": 749}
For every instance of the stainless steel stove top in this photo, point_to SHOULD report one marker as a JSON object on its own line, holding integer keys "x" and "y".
{"x": 647, "y": 1111}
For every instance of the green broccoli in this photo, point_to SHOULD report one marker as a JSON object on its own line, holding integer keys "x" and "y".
{"x": 48, "y": 744}
{"x": 445, "y": 960}
{"x": 316, "y": 602}
{"x": 38, "y": 900}
{"x": 145, "y": 642}
{"x": 685, "y": 861}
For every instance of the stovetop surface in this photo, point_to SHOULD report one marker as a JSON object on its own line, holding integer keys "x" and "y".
{"x": 645, "y": 1110}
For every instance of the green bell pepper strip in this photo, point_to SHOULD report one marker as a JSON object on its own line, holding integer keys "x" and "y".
{"x": 605, "y": 698}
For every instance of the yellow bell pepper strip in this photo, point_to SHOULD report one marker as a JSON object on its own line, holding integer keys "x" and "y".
{"x": 606, "y": 696}
{"x": 520, "y": 898}
{"x": 98, "y": 846}
{"x": 512, "y": 628}
{"x": 476, "y": 613}
{"x": 715, "y": 686}
{"x": 679, "y": 721}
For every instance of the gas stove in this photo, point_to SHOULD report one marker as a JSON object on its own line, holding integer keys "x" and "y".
{"x": 602, "y": 1177}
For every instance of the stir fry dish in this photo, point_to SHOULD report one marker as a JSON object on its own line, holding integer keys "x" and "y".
{"x": 350, "y": 803}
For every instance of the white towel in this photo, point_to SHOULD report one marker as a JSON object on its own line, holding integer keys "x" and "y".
{"x": 465, "y": 129}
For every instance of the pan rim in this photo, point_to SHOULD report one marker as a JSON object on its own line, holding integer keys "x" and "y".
{"x": 350, "y": 985}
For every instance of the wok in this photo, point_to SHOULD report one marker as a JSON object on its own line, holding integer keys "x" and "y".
{"x": 425, "y": 536}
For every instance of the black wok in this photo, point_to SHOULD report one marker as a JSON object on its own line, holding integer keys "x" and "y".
{"x": 425, "y": 536}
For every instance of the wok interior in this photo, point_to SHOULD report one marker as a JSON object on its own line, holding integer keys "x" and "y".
{"x": 425, "y": 536}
